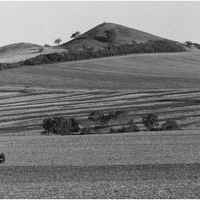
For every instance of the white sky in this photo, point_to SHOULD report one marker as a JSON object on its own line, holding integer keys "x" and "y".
{"x": 42, "y": 22}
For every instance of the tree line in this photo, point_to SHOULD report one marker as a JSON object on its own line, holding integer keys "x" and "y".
{"x": 111, "y": 50}
{"x": 66, "y": 126}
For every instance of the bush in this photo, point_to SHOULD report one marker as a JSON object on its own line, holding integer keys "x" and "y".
{"x": 188, "y": 43}
{"x": 95, "y": 115}
{"x": 150, "y": 121}
{"x": 86, "y": 130}
{"x": 46, "y": 45}
{"x": 47, "y": 125}
{"x": 130, "y": 127}
{"x": 60, "y": 126}
{"x": 92, "y": 130}
{"x": 170, "y": 125}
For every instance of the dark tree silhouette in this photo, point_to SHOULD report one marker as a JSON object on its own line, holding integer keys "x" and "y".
{"x": 57, "y": 41}
{"x": 170, "y": 125}
{"x": 150, "y": 121}
{"x": 76, "y": 34}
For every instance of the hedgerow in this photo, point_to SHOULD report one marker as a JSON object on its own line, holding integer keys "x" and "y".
{"x": 110, "y": 50}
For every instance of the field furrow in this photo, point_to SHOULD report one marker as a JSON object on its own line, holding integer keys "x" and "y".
{"x": 24, "y": 109}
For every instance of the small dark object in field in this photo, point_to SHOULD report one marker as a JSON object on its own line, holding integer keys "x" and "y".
{"x": 170, "y": 125}
{"x": 2, "y": 158}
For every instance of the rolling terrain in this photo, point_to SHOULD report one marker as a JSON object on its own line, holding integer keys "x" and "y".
{"x": 22, "y": 51}
{"x": 107, "y": 39}
{"x": 167, "y": 84}
{"x": 137, "y": 165}
{"x": 135, "y": 72}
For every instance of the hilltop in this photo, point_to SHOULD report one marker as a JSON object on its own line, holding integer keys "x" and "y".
{"x": 105, "y": 34}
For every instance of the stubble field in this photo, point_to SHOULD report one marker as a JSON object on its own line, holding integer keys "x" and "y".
{"x": 137, "y": 165}
{"x": 134, "y": 165}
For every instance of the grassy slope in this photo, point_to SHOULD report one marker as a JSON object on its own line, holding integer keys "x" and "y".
{"x": 144, "y": 71}
{"x": 96, "y": 37}
{"x": 22, "y": 51}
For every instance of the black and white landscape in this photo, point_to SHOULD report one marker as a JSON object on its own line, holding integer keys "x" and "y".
{"x": 112, "y": 113}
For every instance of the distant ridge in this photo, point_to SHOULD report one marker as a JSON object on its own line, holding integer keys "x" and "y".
{"x": 107, "y": 33}
{"x": 18, "y": 46}
{"x": 21, "y": 51}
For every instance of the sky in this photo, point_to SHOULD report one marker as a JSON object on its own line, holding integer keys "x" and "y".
{"x": 41, "y": 22}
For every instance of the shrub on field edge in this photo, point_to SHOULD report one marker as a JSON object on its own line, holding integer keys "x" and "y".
{"x": 170, "y": 125}
{"x": 150, "y": 121}
{"x": 86, "y": 130}
{"x": 130, "y": 127}
{"x": 60, "y": 125}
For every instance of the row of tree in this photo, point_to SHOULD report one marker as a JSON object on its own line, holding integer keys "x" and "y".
{"x": 112, "y": 50}
{"x": 74, "y": 35}
{"x": 65, "y": 126}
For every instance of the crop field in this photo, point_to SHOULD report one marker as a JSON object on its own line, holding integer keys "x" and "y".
{"x": 127, "y": 165}
{"x": 23, "y": 109}
{"x": 151, "y": 181}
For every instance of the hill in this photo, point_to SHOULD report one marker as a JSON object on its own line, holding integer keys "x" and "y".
{"x": 105, "y": 34}
{"x": 104, "y": 40}
{"x": 21, "y": 51}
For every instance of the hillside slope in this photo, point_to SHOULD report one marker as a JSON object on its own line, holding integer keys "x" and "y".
{"x": 140, "y": 71}
{"x": 106, "y": 33}
{"x": 21, "y": 51}
{"x": 167, "y": 84}
{"x": 104, "y": 40}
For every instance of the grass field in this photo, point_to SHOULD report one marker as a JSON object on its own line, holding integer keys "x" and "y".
{"x": 22, "y": 51}
{"x": 144, "y": 71}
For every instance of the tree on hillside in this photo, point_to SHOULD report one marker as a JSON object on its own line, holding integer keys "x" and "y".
{"x": 76, "y": 34}
{"x": 188, "y": 43}
{"x": 57, "y": 41}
